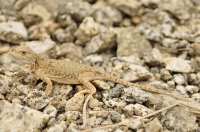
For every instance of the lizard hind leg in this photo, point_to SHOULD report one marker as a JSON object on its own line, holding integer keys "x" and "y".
{"x": 85, "y": 79}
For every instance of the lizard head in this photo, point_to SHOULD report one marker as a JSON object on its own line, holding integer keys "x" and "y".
{"x": 25, "y": 55}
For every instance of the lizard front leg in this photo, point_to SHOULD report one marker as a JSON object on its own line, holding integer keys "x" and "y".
{"x": 44, "y": 78}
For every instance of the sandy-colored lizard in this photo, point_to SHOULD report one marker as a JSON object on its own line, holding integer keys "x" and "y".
{"x": 69, "y": 72}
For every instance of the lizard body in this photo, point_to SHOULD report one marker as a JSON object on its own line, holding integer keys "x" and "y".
{"x": 69, "y": 72}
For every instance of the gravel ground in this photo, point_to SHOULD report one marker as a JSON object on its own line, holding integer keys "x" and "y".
{"x": 154, "y": 43}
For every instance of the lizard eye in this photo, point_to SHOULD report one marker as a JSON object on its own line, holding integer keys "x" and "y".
{"x": 23, "y": 52}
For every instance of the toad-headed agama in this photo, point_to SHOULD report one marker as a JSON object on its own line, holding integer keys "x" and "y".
{"x": 69, "y": 72}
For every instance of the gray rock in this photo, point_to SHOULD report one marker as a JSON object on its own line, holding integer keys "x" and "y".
{"x": 179, "y": 119}
{"x": 154, "y": 126}
{"x": 106, "y": 15}
{"x": 5, "y": 84}
{"x": 86, "y": 31}
{"x": 50, "y": 110}
{"x": 13, "y": 32}
{"x": 196, "y": 97}
{"x": 70, "y": 51}
{"x": 153, "y": 57}
{"x": 178, "y": 65}
{"x": 133, "y": 94}
{"x": 136, "y": 73}
{"x": 192, "y": 89}
{"x": 65, "y": 35}
{"x": 182, "y": 12}
{"x": 36, "y": 99}
{"x": 115, "y": 117}
{"x": 129, "y": 7}
{"x": 181, "y": 89}
{"x": 16, "y": 117}
{"x": 179, "y": 79}
{"x": 100, "y": 43}
{"x": 72, "y": 115}
{"x": 129, "y": 42}
{"x": 77, "y": 9}
{"x": 165, "y": 75}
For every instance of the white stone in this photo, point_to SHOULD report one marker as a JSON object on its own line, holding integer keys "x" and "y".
{"x": 178, "y": 65}
{"x": 18, "y": 118}
{"x": 179, "y": 79}
{"x": 51, "y": 110}
{"x": 192, "y": 89}
{"x": 13, "y": 32}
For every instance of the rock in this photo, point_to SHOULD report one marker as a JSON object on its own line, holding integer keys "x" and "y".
{"x": 13, "y": 32}
{"x": 86, "y": 31}
{"x": 153, "y": 57}
{"x": 174, "y": 43}
{"x": 141, "y": 110}
{"x": 72, "y": 115}
{"x": 65, "y": 35}
{"x": 112, "y": 102}
{"x": 129, "y": 7}
{"x": 37, "y": 10}
{"x": 165, "y": 75}
{"x": 50, "y": 110}
{"x": 153, "y": 33}
{"x": 129, "y": 42}
{"x": 134, "y": 94}
{"x": 130, "y": 59}
{"x": 128, "y": 110}
{"x": 36, "y": 99}
{"x": 4, "y": 49}
{"x": 102, "y": 42}
{"x": 94, "y": 103}
{"x": 135, "y": 125}
{"x": 59, "y": 96}
{"x": 61, "y": 117}
{"x": 77, "y": 9}
{"x": 42, "y": 46}
{"x": 178, "y": 65}
{"x": 5, "y": 84}
{"x": 91, "y": 121}
{"x": 196, "y": 97}
{"x": 154, "y": 126}
{"x": 45, "y": 27}
{"x": 75, "y": 103}
{"x": 72, "y": 128}
{"x": 179, "y": 119}
{"x": 106, "y": 15}
{"x": 98, "y": 121}
{"x": 191, "y": 89}
{"x": 117, "y": 130}
{"x": 16, "y": 117}
{"x": 55, "y": 128}
{"x": 103, "y": 114}
{"x": 115, "y": 117}
{"x": 136, "y": 73}
{"x": 182, "y": 12}
{"x": 179, "y": 79}
{"x": 181, "y": 90}
{"x": 70, "y": 51}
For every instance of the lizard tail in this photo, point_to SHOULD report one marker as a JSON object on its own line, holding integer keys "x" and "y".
{"x": 121, "y": 81}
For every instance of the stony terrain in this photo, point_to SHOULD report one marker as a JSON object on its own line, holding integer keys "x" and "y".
{"x": 151, "y": 42}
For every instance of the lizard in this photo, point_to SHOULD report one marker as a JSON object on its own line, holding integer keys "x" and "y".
{"x": 70, "y": 72}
